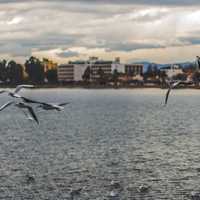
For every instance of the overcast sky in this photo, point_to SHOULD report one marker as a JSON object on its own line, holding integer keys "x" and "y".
{"x": 163, "y": 31}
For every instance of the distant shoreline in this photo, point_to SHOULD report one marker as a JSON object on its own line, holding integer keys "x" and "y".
{"x": 54, "y": 86}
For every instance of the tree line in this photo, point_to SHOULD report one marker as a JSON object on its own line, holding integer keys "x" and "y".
{"x": 32, "y": 71}
{"x": 153, "y": 74}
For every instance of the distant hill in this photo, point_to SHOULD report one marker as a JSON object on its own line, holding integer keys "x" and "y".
{"x": 146, "y": 64}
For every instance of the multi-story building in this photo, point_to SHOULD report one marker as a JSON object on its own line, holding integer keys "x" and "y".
{"x": 133, "y": 69}
{"x": 65, "y": 73}
{"x": 105, "y": 66}
{"x": 73, "y": 71}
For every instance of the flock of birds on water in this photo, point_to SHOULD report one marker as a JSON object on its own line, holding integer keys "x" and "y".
{"x": 25, "y": 103}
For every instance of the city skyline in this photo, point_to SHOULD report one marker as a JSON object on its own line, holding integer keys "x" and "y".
{"x": 162, "y": 32}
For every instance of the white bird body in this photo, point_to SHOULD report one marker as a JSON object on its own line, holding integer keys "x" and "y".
{"x": 17, "y": 89}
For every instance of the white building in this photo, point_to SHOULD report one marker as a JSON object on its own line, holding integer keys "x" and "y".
{"x": 65, "y": 73}
{"x": 172, "y": 70}
{"x": 79, "y": 70}
{"x": 73, "y": 71}
{"x": 118, "y": 66}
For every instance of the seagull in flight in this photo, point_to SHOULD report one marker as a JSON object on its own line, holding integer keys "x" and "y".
{"x": 17, "y": 89}
{"x": 171, "y": 86}
{"x": 21, "y": 105}
{"x": 46, "y": 106}
{"x": 53, "y": 106}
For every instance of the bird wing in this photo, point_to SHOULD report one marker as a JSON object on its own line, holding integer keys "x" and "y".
{"x": 32, "y": 113}
{"x": 3, "y": 91}
{"x": 63, "y": 104}
{"x": 19, "y": 87}
{"x": 167, "y": 95}
{"x": 27, "y": 100}
{"x": 6, "y": 105}
{"x": 171, "y": 86}
{"x": 27, "y": 115}
{"x": 175, "y": 84}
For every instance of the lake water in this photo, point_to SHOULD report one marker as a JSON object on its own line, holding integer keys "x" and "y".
{"x": 123, "y": 136}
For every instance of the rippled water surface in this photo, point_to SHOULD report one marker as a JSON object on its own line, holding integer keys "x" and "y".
{"x": 106, "y": 144}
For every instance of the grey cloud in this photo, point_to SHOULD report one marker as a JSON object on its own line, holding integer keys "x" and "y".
{"x": 63, "y": 24}
{"x": 128, "y": 46}
{"x": 67, "y": 54}
{"x": 86, "y": 7}
{"x": 190, "y": 40}
{"x": 23, "y": 47}
{"x": 140, "y": 2}
{"x": 150, "y": 17}
{"x": 120, "y": 2}
{"x": 15, "y": 50}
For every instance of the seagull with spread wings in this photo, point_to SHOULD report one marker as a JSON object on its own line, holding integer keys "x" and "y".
{"x": 46, "y": 106}
{"x": 53, "y": 106}
{"x": 22, "y": 106}
{"x": 17, "y": 89}
{"x": 171, "y": 86}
